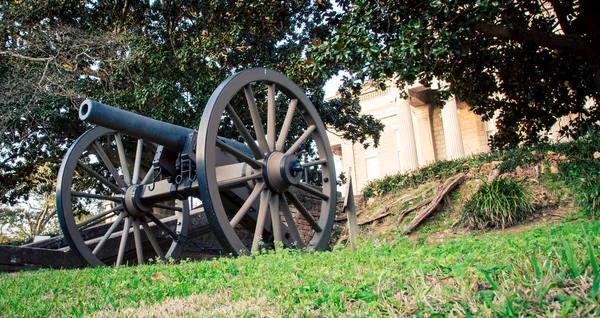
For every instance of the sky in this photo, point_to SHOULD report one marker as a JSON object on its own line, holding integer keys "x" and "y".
{"x": 333, "y": 84}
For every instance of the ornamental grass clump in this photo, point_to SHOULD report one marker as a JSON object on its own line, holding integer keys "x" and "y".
{"x": 498, "y": 204}
{"x": 588, "y": 197}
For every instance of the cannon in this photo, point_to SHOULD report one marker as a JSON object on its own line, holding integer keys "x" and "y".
{"x": 128, "y": 184}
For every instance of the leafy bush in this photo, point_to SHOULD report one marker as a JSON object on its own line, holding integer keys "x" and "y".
{"x": 581, "y": 171}
{"x": 498, "y": 204}
{"x": 509, "y": 158}
{"x": 588, "y": 197}
{"x": 519, "y": 156}
{"x": 436, "y": 171}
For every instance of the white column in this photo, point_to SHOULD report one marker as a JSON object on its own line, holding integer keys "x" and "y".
{"x": 452, "y": 133}
{"x": 426, "y": 150}
{"x": 406, "y": 140}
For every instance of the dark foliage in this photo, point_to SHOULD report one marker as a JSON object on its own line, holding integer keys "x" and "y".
{"x": 161, "y": 59}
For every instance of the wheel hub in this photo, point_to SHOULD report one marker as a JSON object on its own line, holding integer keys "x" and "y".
{"x": 132, "y": 202}
{"x": 281, "y": 171}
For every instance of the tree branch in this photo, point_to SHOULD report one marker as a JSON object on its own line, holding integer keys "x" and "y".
{"x": 28, "y": 58}
{"x": 570, "y": 42}
{"x": 561, "y": 15}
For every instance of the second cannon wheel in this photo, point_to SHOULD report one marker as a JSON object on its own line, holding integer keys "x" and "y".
{"x": 99, "y": 171}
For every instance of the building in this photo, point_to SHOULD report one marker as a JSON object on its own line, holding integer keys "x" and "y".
{"x": 416, "y": 134}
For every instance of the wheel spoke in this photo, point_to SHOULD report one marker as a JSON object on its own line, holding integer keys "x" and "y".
{"x": 95, "y": 222}
{"x": 262, "y": 216}
{"x": 148, "y": 176}
{"x": 237, "y": 182}
{"x": 101, "y": 215}
{"x": 122, "y": 158}
{"x": 167, "y": 207}
{"x": 287, "y": 124}
{"x": 162, "y": 226}
{"x": 291, "y": 223}
{"x": 300, "y": 140}
{"x": 100, "y": 178}
{"x": 271, "y": 117}
{"x": 238, "y": 154}
{"x": 258, "y": 154}
{"x": 111, "y": 168}
{"x": 314, "y": 163}
{"x": 275, "y": 219}
{"x": 138, "y": 242}
{"x": 303, "y": 211}
{"x": 307, "y": 188}
{"x": 123, "y": 244}
{"x": 247, "y": 204}
{"x": 95, "y": 196}
{"x": 108, "y": 233}
{"x": 152, "y": 239}
{"x": 258, "y": 128}
{"x": 138, "y": 161}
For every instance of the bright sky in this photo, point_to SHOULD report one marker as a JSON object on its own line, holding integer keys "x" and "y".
{"x": 333, "y": 84}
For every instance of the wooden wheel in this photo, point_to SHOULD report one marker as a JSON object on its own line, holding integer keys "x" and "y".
{"x": 96, "y": 201}
{"x": 252, "y": 176}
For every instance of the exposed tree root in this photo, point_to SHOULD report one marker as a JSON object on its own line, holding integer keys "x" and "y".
{"x": 432, "y": 203}
{"x": 435, "y": 202}
{"x": 416, "y": 207}
{"x": 403, "y": 199}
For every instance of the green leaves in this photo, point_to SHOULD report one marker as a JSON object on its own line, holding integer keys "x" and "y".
{"x": 161, "y": 59}
{"x": 570, "y": 260}
{"x": 498, "y": 204}
{"x": 513, "y": 70}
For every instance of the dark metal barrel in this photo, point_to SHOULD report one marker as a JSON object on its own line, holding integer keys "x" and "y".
{"x": 168, "y": 135}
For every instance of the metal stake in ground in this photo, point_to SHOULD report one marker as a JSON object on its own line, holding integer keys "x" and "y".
{"x": 350, "y": 210}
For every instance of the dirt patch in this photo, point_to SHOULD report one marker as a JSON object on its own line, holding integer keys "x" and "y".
{"x": 199, "y": 305}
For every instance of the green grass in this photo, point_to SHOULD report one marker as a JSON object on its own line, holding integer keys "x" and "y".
{"x": 436, "y": 171}
{"x": 588, "y": 196}
{"x": 574, "y": 160}
{"x": 544, "y": 271}
{"x": 498, "y": 204}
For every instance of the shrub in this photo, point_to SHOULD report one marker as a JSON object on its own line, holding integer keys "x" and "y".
{"x": 588, "y": 196}
{"x": 436, "y": 171}
{"x": 498, "y": 204}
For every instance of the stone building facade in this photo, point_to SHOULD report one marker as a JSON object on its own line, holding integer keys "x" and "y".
{"x": 415, "y": 135}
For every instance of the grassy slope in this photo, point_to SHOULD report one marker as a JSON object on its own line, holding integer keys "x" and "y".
{"x": 545, "y": 270}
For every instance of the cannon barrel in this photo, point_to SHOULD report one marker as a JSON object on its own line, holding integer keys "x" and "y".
{"x": 169, "y": 135}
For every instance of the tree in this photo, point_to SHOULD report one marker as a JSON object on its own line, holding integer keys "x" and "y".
{"x": 21, "y": 223}
{"x": 529, "y": 62}
{"x": 161, "y": 59}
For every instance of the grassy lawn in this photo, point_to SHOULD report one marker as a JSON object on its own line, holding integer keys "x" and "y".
{"x": 546, "y": 270}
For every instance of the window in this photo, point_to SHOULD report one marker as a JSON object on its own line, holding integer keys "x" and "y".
{"x": 372, "y": 162}
{"x": 372, "y": 168}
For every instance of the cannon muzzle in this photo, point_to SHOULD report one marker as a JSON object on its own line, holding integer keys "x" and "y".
{"x": 169, "y": 135}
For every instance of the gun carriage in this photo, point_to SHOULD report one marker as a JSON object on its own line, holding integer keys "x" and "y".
{"x": 143, "y": 173}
